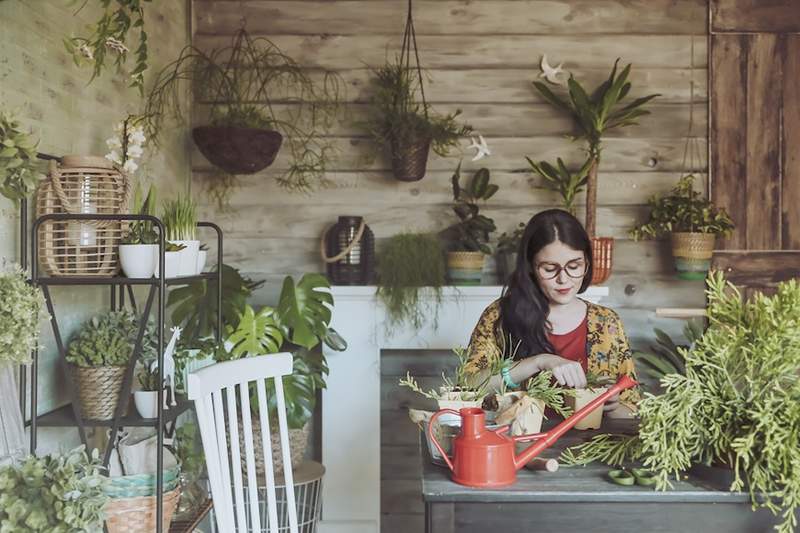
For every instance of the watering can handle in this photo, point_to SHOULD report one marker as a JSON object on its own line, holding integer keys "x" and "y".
{"x": 433, "y": 437}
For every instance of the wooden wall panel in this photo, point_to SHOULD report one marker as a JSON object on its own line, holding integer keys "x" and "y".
{"x": 790, "y": 156}
{"x": 768, "y": 16}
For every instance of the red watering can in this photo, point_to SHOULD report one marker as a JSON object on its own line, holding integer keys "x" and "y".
{"x": 486, "y": 458}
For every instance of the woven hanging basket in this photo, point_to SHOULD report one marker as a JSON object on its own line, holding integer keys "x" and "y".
{"x": 602, "y": 259}
{"x": 410, "y": 162}
{"x": 82, "y": 185}
{"x": 98, "y": 390}
{"x": 138, "y": 515}
{"x": 692, "y": 254}
{"x": 238, "y": 150}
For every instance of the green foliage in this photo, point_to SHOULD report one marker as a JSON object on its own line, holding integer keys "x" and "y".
{"x": 194, "y": 307}
{"x": 683, "y": 210}
{"x": 398, "y": 120}
{"x": 667, "y": 357}
{"x": 407, "y": 263}
{"x": 472, "y": 232}
{"x": 148, "y": 379}
{"x": 180, "y": 219}
{"x": 108, "y": 340}
{"x": 600, "y": 111}
{"x": 142, "y": 231}
{"x": 461, "y": 382}
{"x": 509, "y": 243}
{"x": 614, "y": 450}
{"x": 23, "y": 308}
{"x": 108, "y": 35}
{"x": 242, "y": 83}
{"x": 189, "y": 451}
{"x": 304, "y": 311}
{"x": 19, "y": 172}
{"x": 542, "y": 387}
{"x": 256, "y": 334}
{"x": 559, "y": 178}
{"x": 53, "y": 494}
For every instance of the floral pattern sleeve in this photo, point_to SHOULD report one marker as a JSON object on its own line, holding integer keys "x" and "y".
{"x": 483, "y": 346}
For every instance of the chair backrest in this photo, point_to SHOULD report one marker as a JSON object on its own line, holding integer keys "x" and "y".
{"x": 213, "y": 389}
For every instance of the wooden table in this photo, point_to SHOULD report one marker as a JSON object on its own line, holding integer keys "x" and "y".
{"x": 580, "y": 499}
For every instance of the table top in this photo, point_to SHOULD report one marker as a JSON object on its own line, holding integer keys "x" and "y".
{"x": 575, "y": 484}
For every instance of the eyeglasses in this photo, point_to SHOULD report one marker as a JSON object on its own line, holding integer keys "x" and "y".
{"x": 574, "y": 269}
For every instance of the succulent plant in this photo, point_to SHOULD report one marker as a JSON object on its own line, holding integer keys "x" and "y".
{"x": 19, "y": 174}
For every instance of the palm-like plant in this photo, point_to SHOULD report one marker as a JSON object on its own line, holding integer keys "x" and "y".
{"x": 567, "y": 184}
{"x": 594, "y": 115}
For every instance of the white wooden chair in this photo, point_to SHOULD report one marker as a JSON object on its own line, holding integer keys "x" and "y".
{"x": 213, "y": 389}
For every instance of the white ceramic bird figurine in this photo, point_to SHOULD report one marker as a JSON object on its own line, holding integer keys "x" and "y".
{"x": 481, "y": 148}
{"x": 550, "y": 73}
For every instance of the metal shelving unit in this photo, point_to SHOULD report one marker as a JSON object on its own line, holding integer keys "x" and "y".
{"x": 120, "y": 287}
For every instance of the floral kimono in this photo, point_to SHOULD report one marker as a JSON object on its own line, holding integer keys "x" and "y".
{"x": 607, "y": 348}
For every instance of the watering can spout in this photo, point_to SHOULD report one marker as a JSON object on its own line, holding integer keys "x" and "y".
{"x": 624, "y": 382}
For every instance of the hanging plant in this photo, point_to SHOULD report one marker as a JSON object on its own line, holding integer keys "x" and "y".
{"x": 400, "y": 124}
{"x": 23, "y": 311}
{"x": 108, "y": 37}
{"x": 19, "y": 173}
{"x": 243, "y": 84}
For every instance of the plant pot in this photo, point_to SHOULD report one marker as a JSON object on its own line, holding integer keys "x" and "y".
{"x": 171, "y": 263}
{"x": 238, "y": 150}
{"x": 602, "y": 259}
{"x": 298, "y": 441}
{"x": 138, "y": 260}
{"x": 187, "y": 258}
{"x": 506, "y": 264}
{"x": 146, "y": 403}
{"x": 692, "y": 254}
{"x": 582, "y": 397}
{"x": 98, "y": 390}
{"x": 409, "y": 162}
{"x": 465, "y": 268}
{"x": 202, "y": 255}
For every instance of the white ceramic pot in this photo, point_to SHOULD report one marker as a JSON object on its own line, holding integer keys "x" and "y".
{"x": 201, "y": 261}
{"x": 187, "y": 264}
{"x": 138, "y": 260}
{"x": 171, "y": 261}
{"x": 582, "y": 397}
{"x": 146, "y": 403}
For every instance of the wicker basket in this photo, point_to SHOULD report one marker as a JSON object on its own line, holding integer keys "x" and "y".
{"x": 465, "y": 268}
{"x": 138, "y": 515}
{"x": 602, "y": 259}
{"x": 410, "y": 162}
{"x": 82, "y": 185}
{"x": 98, "y": 390}
{"x": 298, "y": 440}
{"x": 140, "y": 485}
{"x": 692, "y": 254}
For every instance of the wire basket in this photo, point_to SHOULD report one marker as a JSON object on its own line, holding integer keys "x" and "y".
{"x": 82, "y": 185}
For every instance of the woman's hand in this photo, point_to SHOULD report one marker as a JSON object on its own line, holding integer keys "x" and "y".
{"x": 566, "y": 371}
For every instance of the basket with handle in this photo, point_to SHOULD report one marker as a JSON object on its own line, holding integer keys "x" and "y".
{"x": 82, "y": 185}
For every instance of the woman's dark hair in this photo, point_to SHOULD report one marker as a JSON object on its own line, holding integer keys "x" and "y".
{"x": 523, "y": 306}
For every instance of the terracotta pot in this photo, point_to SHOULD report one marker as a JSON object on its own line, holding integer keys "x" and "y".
{"x": 602, "y": 259}
{"x": 692, "y": 254}
{"x": 238, "y": 150}
{"x": 465, "y": 268}
{"x": 582, "y": 397}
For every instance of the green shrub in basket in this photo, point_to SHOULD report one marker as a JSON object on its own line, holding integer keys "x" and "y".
{"x": 108, "y": 340}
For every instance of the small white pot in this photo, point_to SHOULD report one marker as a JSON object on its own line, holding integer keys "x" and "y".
{"x": 138, "y": 260}
{"x": 187, "y": 264}
{"x": 146, "y": 403}
{"x": 201, "y": 261}
{"x": 171, "y": 261}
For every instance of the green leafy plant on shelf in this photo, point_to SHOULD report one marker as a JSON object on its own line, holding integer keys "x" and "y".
{"x": 148, "y": 378}
{"x": 407, "y": 264}
{"x": 108, "y": 38}
{"x": 108, "y": 340}
{"x": 566, "y": 183}
{"x": 737, "y": 405}
{"x": 459, "y": 386}
{"x": 473, "y": 230}
{"x": 54, "y": 494}
{"x": 142, "y": 231}
{"x": 23, "y": 311}
{"x": 683, "y": 210}
{"x": 19, "y": 172}
{"x": 180, "y": 219}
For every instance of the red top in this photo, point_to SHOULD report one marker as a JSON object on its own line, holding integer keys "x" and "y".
{"x": 572, "y": 345}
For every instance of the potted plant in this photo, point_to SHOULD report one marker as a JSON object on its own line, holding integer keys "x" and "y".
{"x": 693, "y": 223}
{"x": 146, "y": 398}
{"x": 469, "y": 237}
{"x": 594, "y": 114}
{"x": 735, "y": 407}
{"x": 19, "y": 174}
{"x": 595, "y": 386}
{"x": 405, "y": 128}
{"x": 54, "y": 493}
{"x": 138, "y": 252}
{"x": 241, "y": 84}
{"x": 180, "y": 223}
{"x": 559, "y": 178}
{"x": 407, "y": 264}
{"x": 506, "y": 252}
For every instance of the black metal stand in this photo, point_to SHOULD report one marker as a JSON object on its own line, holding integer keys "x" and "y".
{"x": 70, "y": 415}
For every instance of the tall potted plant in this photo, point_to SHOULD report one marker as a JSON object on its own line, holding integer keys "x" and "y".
{"x": 180, "y": 223}
{"x": 138, "y": 252}
{"x": 469, "y": 237}
{"x": 595, "y": 114}
{"x": 693, "y": 224}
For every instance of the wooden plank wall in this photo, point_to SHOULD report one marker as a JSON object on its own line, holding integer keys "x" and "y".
{"x": 481, "y": 58}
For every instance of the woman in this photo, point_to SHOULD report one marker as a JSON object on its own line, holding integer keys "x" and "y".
{"x": 541, "y": 324}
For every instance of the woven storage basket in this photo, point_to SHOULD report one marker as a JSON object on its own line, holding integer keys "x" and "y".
{"x": 139, "y": 485}
{"x": 298, "y": 440}
{"x": 602, "y": 259}
{"x": 98, "y": 390}
{"x": 410, "y": 162}
{"x": 693, "y": 245}
{"x": 138, "y": 515}
{"x": 466, "y": 260}
{"x": 82, "y": 184}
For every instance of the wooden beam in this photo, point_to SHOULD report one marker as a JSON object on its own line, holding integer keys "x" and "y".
{"x": 790, "y": 184}
{"x": 768, "y": 16}
{"x": 757, "y": 269}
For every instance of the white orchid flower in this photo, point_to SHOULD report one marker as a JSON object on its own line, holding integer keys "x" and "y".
{"x": 113, "y": 143}
{"x": 130, "y": 166}
{"x": 114, "y": 157}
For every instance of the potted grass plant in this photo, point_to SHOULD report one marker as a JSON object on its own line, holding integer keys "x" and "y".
{"x": 469, "y": 237}
{"x": 138, "y": 252}
{"x": 692, "y": 222}
{"x": 180, "y": 222}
